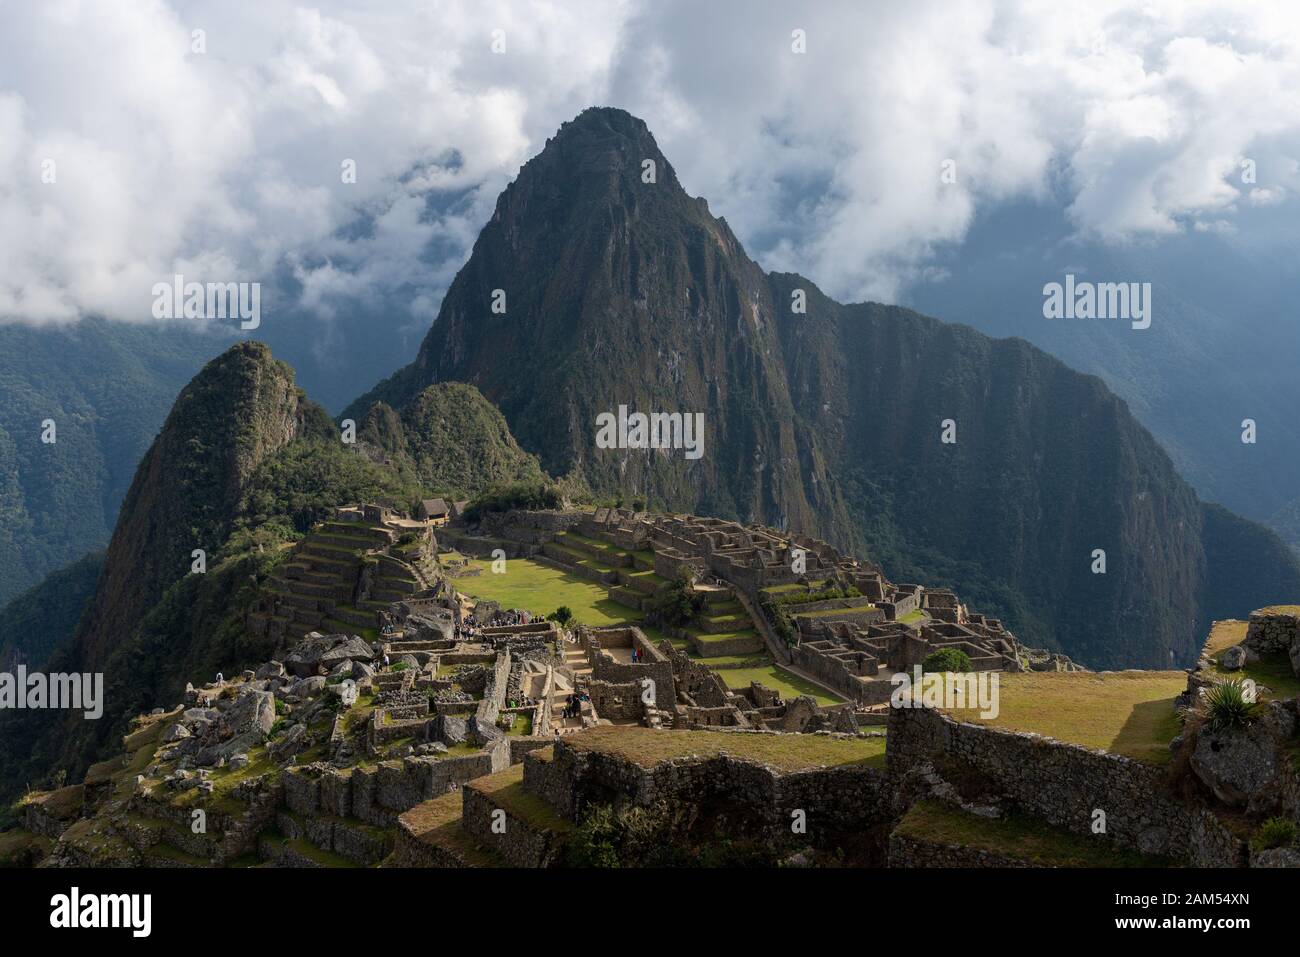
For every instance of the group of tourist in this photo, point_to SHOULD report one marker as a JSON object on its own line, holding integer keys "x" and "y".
{"x": 573, "y": 709}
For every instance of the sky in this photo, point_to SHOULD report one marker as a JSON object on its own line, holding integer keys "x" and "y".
{"x": 140, "y": 140}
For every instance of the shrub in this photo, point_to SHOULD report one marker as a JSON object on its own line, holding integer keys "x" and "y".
{"x": 946, "y": 659}
{"x": 563, "y": 615}
{"x": 1275, "y": 832}
{"x": 677, "y": 604}
{"x": 801, "y": 597}
{"x": 1227, "y": 706}
{"x": 502, "y": 498}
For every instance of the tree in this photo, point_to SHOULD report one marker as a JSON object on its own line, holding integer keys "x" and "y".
{"x": 946, "y": 659}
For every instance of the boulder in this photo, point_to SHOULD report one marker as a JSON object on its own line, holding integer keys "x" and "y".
{"x": 1276, "y": 857}
{"x": 342, "y": 669}
{"x": 350, "y": 648}
{"x": 253, "y": 711}
{"x": 1233, "y": 658}
{"x": 1237, "y": 764}
{"x": 362, "y": 670}
{"x": 176, "y": 732}
{"x": 304, "y": 660}
{"x": 214, "y": 754}
{"x": 293, "y": 741}
{"x": 272, "y": 669}
{"x": 451, "y": 729}
{"x": 483, "y": 733}
{"x": 308, "y": 687}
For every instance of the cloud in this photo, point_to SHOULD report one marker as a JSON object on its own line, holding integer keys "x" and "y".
{"x": 226, "y": 164}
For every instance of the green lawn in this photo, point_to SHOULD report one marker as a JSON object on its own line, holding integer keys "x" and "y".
{"x": 788, "y": 752}
{"x": 793, "y": 586}
{"x": 832, "y": 612}
{"x": 779, "y": 680}
{"x": 1271, "y": 671}
{"x": 541, "y": 589}
{"x": 1124, "y": 712}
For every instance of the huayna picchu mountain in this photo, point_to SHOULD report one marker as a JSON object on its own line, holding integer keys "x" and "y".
{"x": 599, "y": 283}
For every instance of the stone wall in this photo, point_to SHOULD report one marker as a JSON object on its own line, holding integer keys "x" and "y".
{"x": 907, "y": 852}
{"x": 376, "y": 795}
{"x": 494, "y": 695}
{"x": 833, "y": 799}
{"x": 1271, "y": 634}
{"x": 621, "y": 701}
{"x": 1064, "y": 783}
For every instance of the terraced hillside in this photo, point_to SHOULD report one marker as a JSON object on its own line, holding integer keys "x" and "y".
{"x": 341, "y": 576}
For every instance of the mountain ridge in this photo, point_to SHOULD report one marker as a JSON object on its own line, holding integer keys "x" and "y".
{"x": 626, "y": 292}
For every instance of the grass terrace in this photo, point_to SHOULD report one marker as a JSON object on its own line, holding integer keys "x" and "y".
{"x": 1123, "y": 712}
{"x": 542, "y": 588}
{"x": 647, "y": 747}
{"x": 506, "y": 790}
{"x": 1016, "y": 836}
{"x": 1272, "y": 672}
{"x": 792, "y": 587}
{"x": 788, "y": 685}
{"x": 833, "y": 612}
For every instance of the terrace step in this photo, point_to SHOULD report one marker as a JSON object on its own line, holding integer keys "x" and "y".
{"x": 432, "y": 835}
{"x": 529, "y": 832}
{"x": 350, "y": 839}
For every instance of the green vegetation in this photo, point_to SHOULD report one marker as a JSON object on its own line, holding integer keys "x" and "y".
{"x": 451, "y": 441}
{"x": 1227, "y": 706}
{"x": 531, "y": 585}
{"x": 794, "y": 597}
{"x": 107, "y": 387}
{"x": 502, "y": 498}
{"x": 1016, "y": 836}
{"x": 678, "y": 604}
{"x": 1271, "y": 673}
{"x": 659, "y": 836}
{"x": 305, "y": 482}
{"x": 785, "y": 683}
{"x": 1275, "y": 832}
{"x": 1124, "y": 712}
{"x": 45, "y": 616}
{"x": 946, "y": 659}
{"x": 562, "y": 615}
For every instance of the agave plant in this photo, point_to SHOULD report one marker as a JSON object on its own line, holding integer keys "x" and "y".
{"x": 1227, "y": 705}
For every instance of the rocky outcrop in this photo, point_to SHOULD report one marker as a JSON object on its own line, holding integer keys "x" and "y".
{"x": 1243, "y": 766}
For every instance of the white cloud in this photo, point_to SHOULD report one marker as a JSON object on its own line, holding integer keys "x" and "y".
{"x": 1135, "y": 117}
